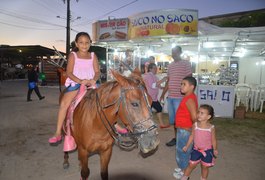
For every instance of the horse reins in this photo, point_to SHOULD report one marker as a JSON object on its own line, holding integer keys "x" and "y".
{"x": 108, "y": 125}
{"x": 142, "y": 121}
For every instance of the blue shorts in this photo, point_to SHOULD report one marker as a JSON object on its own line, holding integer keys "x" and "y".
{"x": 72, "y": 88}
{"x": 197, "y": 156}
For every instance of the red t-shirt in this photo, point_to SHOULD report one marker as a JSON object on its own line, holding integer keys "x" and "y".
{"x": 183, "y": 117}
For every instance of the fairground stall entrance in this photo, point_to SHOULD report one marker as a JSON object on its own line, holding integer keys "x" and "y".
{"x": 220, "y": 57}
{"x": 130, "y": 41}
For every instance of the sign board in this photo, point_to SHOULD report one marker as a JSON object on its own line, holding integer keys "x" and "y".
{"x": 112, "y": 30}
{"x": 164, "y": 23}
{"x": 221, "y": 98}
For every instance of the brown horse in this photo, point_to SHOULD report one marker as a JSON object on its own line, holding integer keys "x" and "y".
{"x": 125, "y": 99}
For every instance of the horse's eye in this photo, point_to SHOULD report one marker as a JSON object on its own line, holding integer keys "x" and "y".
{"x": 134, "y": 104}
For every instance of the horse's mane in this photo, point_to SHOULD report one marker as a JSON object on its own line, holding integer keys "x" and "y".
{"x": 104, "y": 93}
{"x": 107, "y": 91}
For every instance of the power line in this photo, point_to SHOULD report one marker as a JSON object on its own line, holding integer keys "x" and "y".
{"x": 74, "y": 30}
{"x": 118, "y": 8}
{"x": 45, "y": 6}
{"x": 31, "y": 13}
{"x": 61, "y": 8}
{"x": 25, "y": 27}
{"x": 30, "y": 19}
{"x": 106, "y": 14}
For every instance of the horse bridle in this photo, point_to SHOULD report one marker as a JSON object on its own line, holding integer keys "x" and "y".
{"x": 135, "y": 126}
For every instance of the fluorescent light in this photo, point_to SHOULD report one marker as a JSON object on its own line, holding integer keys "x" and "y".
{"x": 217, "y": 44}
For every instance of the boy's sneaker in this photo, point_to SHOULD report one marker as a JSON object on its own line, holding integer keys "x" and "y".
{"x": 177, "y": 170}
{"x": 178, "y": 175}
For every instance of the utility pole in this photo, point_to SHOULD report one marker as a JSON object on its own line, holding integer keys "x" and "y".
{"x": 68, "y": 18}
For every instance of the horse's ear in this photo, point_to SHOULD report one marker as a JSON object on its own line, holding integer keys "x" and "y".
{"x": 137, "y": 72}
{"x": 137, "y": 75}
{"x": 121, "y": 79}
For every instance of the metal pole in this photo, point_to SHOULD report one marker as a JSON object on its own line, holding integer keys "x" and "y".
{"x": 260, "y": 76}
{"x": 1, "y": 70}
{"x": 68, "y": 29}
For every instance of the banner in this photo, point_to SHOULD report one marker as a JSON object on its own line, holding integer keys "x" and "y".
{"x": 221, "y": 98}
{"x": 164, "y": 23}
{"x": 112, "y": 30}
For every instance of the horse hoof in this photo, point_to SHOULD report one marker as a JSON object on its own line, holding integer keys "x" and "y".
{"x": 65, "y": 165}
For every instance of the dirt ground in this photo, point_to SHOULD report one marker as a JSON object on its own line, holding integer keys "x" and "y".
{"x": 25, "y": 153}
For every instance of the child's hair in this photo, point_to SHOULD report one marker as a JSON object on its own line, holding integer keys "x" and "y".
{"x": 191, "y": 80}
{"x": 177, "y": 48}
{"x": 82, "y": 34}
{"x": 209, "y": 108}
{"x": 78, "y": 36}
{"x": 151, "y": 66}
{"x": 152, "y": 58}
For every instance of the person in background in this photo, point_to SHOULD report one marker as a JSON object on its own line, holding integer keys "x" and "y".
{"x": 186, "y": 115}
{"x": 150, "y": 60}
{"x": 153, "y": 85}
{"x": 33, "y": 83}
{"x": 177, "y": 70}
{"x": 205, "y": 146}
{"x": 82, "y": 68}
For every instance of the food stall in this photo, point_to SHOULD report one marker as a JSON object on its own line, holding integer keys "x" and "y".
{"x": 215, "y": 53}
{"x": 139, "y": 36}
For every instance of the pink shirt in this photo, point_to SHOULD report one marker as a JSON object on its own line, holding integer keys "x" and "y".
{"x": 203, "y": 137}
{"x": 176, "y": 72}
{"x": 150, "y": 79}
{"x": 83, "y": 69}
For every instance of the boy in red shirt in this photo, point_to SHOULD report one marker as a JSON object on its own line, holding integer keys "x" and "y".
{"x": 186, "y": 115}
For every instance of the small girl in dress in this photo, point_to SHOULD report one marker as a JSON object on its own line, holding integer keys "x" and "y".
{"x": 205, "y": 146}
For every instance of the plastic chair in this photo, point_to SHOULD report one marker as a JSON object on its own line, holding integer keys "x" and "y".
{"x": 254, "y": 97}
{"x": 261, "y": 97}
{"x": 243, "y": 94}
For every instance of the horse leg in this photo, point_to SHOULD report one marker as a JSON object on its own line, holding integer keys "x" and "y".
{"x": 104, "y": 163}
{"x": 66, "y": 162}
{"x": 83, "y": 158}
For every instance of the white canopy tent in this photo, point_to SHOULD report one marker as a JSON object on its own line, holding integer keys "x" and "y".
{"x": 245, "y": 45}
{"x": 233, "y": 42}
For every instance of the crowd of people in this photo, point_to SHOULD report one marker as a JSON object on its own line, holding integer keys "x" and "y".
{"x": 194, "y": 135}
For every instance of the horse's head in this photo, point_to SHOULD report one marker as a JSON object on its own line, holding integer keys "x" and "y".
{"x": 135, "y": 110}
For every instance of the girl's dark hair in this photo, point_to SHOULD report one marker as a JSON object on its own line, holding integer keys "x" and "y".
{"x": 151, "y": 66}
{"x": 209, "y": 108}
{"x": 81, "y": 34}
{"x": 77, "y": 37}
{"x": 191, "y": 80}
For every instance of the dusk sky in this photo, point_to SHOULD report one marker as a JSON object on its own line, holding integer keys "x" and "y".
{"x": 35, "y": 22}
